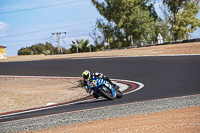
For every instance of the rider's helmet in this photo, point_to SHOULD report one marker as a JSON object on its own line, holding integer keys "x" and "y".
{"x": 86, "y": 74}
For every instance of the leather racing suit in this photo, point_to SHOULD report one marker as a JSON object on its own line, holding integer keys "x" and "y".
{"x": 97, "y": 75}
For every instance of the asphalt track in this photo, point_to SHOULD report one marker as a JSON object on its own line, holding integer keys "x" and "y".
{"x": 163, "y": 77}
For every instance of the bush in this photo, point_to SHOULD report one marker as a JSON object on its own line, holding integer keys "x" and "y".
{"x": 38, "y": 49}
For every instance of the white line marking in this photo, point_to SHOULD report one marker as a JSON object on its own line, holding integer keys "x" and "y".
{"x": 28, "y": 111}
{"x": 140, "y": 85}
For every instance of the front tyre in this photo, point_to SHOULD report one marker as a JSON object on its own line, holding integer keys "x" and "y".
{"x": 95, "y": 95}
{"x": 106, "y": 93}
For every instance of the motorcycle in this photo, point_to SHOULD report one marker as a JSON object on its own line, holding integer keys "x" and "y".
{"x": 104, "y": 89}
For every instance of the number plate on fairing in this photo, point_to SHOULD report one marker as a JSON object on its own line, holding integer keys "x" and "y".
{"x": 93, "y": 83}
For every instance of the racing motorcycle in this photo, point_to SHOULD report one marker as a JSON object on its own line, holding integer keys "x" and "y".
{"x": 104, "y": 89}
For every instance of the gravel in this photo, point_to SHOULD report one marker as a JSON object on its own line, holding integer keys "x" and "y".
{"x": 101, "y": 113}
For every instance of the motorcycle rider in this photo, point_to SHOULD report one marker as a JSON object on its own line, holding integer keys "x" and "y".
{"x": 87, "y": 77}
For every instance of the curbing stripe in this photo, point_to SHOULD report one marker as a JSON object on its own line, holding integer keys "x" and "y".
{"x": 86, "y": 99}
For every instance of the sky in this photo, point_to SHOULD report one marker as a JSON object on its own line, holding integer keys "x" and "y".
{"x": 24, "y": 23}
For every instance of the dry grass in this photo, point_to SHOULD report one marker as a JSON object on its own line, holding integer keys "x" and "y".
{"x": 24, "y": 93}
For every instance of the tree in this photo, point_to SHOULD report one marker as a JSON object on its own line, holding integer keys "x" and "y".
{"x": 126, "y": 18}
{"x": 112, "y": 35}
{"x": 24, "y": 51}
{"x": 40, "y": 48}
{"x": 82, "y": 46}
{"x": 97, "y": 36}
{"x": 162, "y": 27}
{"x": 182, "y": 17}
{"x": 53, "y": 50}
{"x": 37, "y": 49}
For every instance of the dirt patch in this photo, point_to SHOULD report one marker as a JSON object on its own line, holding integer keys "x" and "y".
{"x": 185, "y": 120}
{"x": 25, "y": 93}
{"x": 185, "y": 48}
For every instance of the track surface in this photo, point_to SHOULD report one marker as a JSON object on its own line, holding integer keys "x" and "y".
{"x": 163, "y": 77}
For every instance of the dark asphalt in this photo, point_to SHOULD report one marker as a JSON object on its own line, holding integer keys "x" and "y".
{"x": 163, "y": 77}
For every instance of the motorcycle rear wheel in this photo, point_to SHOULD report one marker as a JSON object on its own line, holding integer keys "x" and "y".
{"x": 119, "y": 94}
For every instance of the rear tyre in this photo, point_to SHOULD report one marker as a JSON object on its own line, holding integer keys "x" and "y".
{"x": 119, "y": 94}
{"x": 106, "y": 93}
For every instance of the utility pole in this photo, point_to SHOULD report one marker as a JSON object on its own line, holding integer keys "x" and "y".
{"x": 132, "y": 41}
{"x": 78, "y": 43}
{"x": 90, "y": 48}
{"x": 58, "y": 40}
{"x": 109, "y": 44}
{"x": 107, "y": 40}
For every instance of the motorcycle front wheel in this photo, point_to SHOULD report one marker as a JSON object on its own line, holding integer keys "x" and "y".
{"x": 106, "y": 93}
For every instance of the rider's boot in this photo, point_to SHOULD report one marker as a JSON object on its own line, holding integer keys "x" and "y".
{"x": 88, "y": 90}
{"x": 115, "y": 86}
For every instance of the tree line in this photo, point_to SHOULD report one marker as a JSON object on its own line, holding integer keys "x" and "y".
{"x": 47, "y": 49}
{"x": 128, "y": 22}
{"x": 132, "y": 22}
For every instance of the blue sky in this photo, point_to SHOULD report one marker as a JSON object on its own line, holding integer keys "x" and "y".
{"x": 73, "y": 16}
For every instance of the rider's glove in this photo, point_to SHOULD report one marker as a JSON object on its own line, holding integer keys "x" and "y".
{"x": 100, "y": 75}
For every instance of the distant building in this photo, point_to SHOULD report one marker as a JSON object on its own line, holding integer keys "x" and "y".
{"x": 2, "y": 52}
